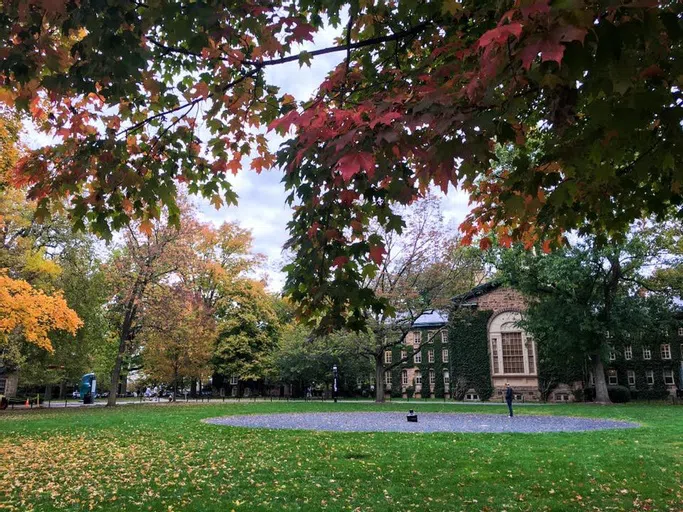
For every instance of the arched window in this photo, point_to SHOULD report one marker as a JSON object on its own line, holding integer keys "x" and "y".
{"x": 512, "y": 351}
{"x": 404, "y": 377}
{"x": 418, "y": 378}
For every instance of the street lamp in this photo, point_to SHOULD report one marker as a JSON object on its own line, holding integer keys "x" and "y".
{"x": 334, "y": 387}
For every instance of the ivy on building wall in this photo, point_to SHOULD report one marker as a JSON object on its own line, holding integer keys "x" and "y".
{"x": 639, "y": 365}
{"x": 424, "y": 370}
{"x": 468, "y": 340}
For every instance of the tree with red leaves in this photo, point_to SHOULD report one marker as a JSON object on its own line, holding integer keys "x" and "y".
{"x": 585, "y": 93}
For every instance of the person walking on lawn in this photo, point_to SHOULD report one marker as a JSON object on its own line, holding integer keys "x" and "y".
{"x": 509, "y": 395}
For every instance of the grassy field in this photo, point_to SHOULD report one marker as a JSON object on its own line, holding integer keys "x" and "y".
{"x": 162, "y": 458}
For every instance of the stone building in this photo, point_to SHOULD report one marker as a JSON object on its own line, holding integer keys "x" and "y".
{"x": 8, "y": 383}
{"x": 473, "y": 352}
{"x": 512, "y": 352}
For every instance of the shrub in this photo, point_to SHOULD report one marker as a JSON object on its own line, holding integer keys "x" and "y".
{"x": 619, "y": 394}
{"x": 579, "y": 395}
{"x": 410, "y": 391}
{"x": 396, "y": 392}
{"x": 653, "y": 394}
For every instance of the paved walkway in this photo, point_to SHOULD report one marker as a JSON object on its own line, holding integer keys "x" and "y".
{"x": 427, "y": 422}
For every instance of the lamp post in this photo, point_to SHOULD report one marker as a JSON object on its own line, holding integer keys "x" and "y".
{"x": 334, "y": 386}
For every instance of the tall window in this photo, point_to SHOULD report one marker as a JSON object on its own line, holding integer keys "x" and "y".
{"x": 631, "y": 377}
{"x": 387, "y": 378}
{"x": 494, "y": 355}
{"x": 628, "y": 352}
{"x": 387, "y": 356}
{"x": 430, "y": 356}
{"x": 444, "y": 354}
{"x": 432, "y": 376}
{"x": 234, "y": 380}
{"x": 612, "y": 353}
{"x": 513, "y": 356}
{"x": 446, "y": 379}
{"x": 669, "y": 377}
{"x": 403, "y": 355}
{"x": 650, "y": 377}
{"x": 417, "y": 338}
{"x": 647, "y": 353}
{"x": 530, "y": 356}
{"x": 680, "y": 331}
{"x": 3, "y": 385}
{"x": 430, "y": 336}
{"x": 612, "y": 377}
{"x": 404, "y": 377}
{"x": 665, "y": 351}
{"x": 418, "y": 378}
{"x": 417, "y": 357}
{"x": 444, "y": 336}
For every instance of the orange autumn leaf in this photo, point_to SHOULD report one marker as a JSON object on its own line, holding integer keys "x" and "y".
{"x": 33, "y": 312}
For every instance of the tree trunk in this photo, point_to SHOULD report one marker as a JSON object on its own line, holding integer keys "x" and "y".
{"x": 601, "y": 395}
{"x": 379, "y": 379}
{"x": 175, "y": 384}
{"x": 62, "y": 390}
{"x": 123, "y": 338}
{"x": 48, "y": 392}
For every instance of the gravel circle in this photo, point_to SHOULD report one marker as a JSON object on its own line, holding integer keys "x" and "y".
{"x": 427, "y": 422}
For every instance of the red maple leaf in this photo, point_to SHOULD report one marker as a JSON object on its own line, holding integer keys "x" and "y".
{"x": 348, "y": 196}
{"x": 303, "y": 32}
{"x": 350, "y": 165}
{"x": 500, "y": 34}
{"x": 548, "y": 50}
{"x": 385, "y": 119}
{"x": 377, "y": 253}
{"x": 571, "y": 33}
{"x": 282, "y": 124}
{"x": 340, "y": 261}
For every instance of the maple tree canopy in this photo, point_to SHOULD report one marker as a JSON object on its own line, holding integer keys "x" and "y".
{"x": 584, "y": 98}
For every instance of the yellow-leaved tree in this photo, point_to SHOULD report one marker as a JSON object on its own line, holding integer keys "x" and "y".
{"x": 33, "y": 313}
{"x": 24, "y": 309}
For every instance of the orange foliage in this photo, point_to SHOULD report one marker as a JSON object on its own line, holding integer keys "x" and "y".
{"x": 33, "y": 312}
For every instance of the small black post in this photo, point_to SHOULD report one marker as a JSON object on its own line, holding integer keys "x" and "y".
{"x": 334, "y": 387}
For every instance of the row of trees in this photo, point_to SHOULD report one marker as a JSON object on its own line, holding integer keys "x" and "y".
{"x": 178, "y": 303}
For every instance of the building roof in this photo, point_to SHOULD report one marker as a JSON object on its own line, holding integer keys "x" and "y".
{"x": 477, "y": 291}
{"x": 432, "y": 318}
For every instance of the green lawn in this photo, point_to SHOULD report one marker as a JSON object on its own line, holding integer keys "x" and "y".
{"x": 162, "y": 458}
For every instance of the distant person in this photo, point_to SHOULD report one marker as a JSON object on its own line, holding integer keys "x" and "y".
{"x": 509, "y": 395}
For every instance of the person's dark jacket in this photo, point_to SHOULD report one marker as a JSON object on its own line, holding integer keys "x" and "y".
{"x": 509, "y": 395}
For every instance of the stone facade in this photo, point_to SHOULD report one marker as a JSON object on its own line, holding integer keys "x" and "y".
{"x": 503, "y": 336}
{"x": 8, "y": 384}
{"x": 501, "y": 299}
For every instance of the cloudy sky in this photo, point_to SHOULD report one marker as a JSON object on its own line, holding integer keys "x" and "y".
{"x": 262, "y": 206}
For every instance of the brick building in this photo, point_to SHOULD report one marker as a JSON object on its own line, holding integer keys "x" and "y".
{"x": 8, "y": 383}
{"x": 507, "y": 354}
